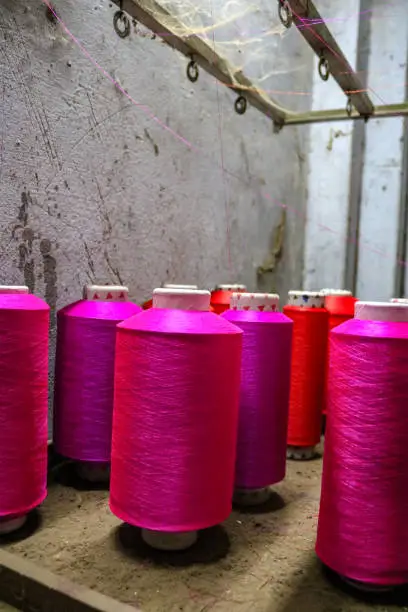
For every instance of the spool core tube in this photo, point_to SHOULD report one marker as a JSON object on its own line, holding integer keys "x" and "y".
{"x": 307, "y": 300}
{"x": 251, "y": 497}
{"x": 179, "y": 299}
{"x": 99, "y": 471}
{"x": 11, "y": 523}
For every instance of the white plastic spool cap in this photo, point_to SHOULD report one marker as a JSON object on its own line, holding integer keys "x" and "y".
{"x": 181, "y": 299}
{"x": 106, "y": 293}
{"x": 170, "y": 286}
{"x": 381, "y": 311}
{"x": 251, "y": 497}
{"x": 306, "y": 299}
{"x": 164, "y": 540}
{"x": 339, "y": 292}
{"x": 9, "y": 525}
{"x": 261, "y": 302}
{"x": 11, "y": 289}
{"x": 230, "y": 288}
{"x": 399, "y": 300}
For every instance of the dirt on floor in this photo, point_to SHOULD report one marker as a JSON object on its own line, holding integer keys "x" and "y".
{"x": 258, "y": 561}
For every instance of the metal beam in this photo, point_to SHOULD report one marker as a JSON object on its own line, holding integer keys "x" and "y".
{"x": 155, "y": 17}
{"x": 313, "y": 29}
{"x": 339, "y": 114}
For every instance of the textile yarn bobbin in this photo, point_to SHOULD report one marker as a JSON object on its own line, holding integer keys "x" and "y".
{"x": 175, "y": 418}
{"x": 24, "y": 327}
{"x": 221, "y": 296}
{"x": 399, "y": 300}
{"x": 264, "y": 399}
{"x": 362, "y": 530}
{"x": 309, "y": 345}
{"x": 149, "y": 303}
{"x": 83, "y": 405}
{"x": 340, "y": 306}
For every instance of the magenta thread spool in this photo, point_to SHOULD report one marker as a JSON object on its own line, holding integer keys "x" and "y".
{"x": 177, "y": 382}
{"x": 362, "y": 530}
{"x": 264, "y": 399}
{"x": 24, "y": 329}
{"x": 83, "y": 405}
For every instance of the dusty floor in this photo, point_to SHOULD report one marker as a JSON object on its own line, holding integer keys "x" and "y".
{"x": 260, "y": 562}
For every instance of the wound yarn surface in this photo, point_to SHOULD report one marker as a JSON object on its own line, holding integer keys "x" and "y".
{"x": 363, "y": 527}
{"x": 24, "y": 328}
{"x": 177, "y": 382}
{"x": 84, "y": 374}
{"x": 309, "y": 347}
{"x": 340, "y": 309}
{"x": 264, "y": 398}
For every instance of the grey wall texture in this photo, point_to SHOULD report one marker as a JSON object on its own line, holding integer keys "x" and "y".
{"x": 95, "y": 188}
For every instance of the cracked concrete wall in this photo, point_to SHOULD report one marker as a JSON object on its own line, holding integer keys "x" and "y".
{"x": 95, "y": 188}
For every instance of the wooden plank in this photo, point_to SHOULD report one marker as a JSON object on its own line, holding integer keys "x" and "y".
{"x": 28, "y": 587}
{"x": 155, "y": 17}
{"x": 319, "y": 37}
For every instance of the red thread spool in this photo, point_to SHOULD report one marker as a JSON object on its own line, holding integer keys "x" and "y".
{"x": 221, "y": 297}
{"x": 175, "y": 418}
{"x": 309, "y": 345}
{"x": 362, "y": 530}
{"x": 340, "y": 306}
{"x": 83, "y": 402}
{"x": 24, "y": 328}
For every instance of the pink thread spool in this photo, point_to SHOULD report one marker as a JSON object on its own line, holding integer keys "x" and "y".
{"x": 84, "y": 377}
{"x": 362, "y": 533}
{"x": 264, "y": 401}
{"x": 24, "y": 326}
{"x": 173, "y": 469}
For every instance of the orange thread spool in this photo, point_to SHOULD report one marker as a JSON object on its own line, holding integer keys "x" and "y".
{"x": 340, "y": 306}
{"x": 221, "y": 297}
{"x": 309, "y": 344}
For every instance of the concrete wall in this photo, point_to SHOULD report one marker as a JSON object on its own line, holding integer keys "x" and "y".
{"x": 96, "y": 188}
{"x": 357, "y": 180}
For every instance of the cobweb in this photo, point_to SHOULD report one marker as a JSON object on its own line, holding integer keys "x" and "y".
{"x": 250, "y": 36}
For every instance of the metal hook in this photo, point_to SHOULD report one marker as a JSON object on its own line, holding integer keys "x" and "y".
{"x": 285, "y": 13}
{"x": 121, "y": 24}
{"x": 192, "y": 71}
{"x": 324, "y": 69}
{"x": 240, "y": 105}
{"x": 349, "y": 107}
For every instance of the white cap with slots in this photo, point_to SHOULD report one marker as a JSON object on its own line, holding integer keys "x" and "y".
{"x": 13, "y": 289}
{"x": 306, "y": 299}
{"x": 181, "y": 299}
{"x": 230, "y": 288}
{"x": 106, "y": 293}
{"x": 261, "y": 302}
{"x": 381, "y": 311}
{"x": 339, "y": 292}
{"x": 171, "y": 286}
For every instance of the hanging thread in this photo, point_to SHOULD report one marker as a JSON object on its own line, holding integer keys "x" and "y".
{"x": 340, "y": 306}
{"x": 310, "y": 319}
{"x": 221, "y": 297}
{"x": 175, "y": 418}
{"x": 83, "y": 402}
{"x": 363, "y": 530}
{"x": 24, "y": 327}
{"x": 264, "y": 399}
